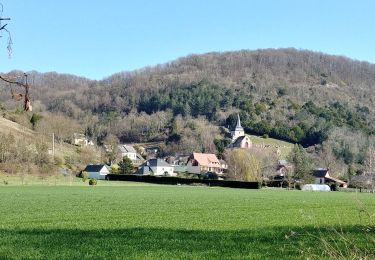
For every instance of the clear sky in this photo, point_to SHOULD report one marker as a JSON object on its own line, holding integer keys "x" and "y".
{"x": 98, "y": 38}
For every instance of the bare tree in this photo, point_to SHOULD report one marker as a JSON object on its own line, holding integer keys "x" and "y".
{"x": 18, "y": 96}
{"x": 370, "y": 160}
{"x": 4, "y": 29}
{"x": 24, "y": 84}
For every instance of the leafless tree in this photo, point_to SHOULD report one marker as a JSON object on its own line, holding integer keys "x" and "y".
{"x": 18, "y": 96}
{"x": 4, "y": 29}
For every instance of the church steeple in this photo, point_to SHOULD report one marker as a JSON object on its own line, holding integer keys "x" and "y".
{"x": 238, "y": 130}
{"x": 238, "y": 121}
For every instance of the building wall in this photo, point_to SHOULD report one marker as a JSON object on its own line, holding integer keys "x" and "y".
{"x": 131, "y": 156}
{"x": 236, "y": 134}
{"x": 159, "y": 171}
{"x": 97, "y": 175}
{"x": 193, "y": 169}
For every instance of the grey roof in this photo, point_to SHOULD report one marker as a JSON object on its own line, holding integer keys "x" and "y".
{"x": 94, "y": 167}
{"x": 238, "y": 121}
{"x": 238, "y": 125}
{"x": 157, "y": 162}
{"x": 139, "y": 157}
{"x": 127, "y": 148}
{"x": 238, "y": 141}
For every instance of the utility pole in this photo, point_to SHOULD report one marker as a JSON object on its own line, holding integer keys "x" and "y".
{"x": 53, "y": 144}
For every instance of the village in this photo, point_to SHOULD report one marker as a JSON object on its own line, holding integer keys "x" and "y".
{"x": 145, "y": 161}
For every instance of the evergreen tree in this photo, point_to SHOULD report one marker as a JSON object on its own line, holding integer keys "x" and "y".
{"x": 35, "y": 118}
{"x": 126, "y": 166}
{"x": 302, "y": 164}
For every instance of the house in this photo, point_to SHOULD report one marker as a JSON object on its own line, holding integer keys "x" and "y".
{"x": 81, "y": 140}
{"x": 239, "y": 139}
{"x": 282, "y": 168}
{"x": 322, "y": 177}
{"x": 128, "y": 151}
{"x": 199, "y": 163}
{"x": 97, "y": 171}
{"x": 223, "y": 164}
{"x": 131, "y": 153}
{"x": 156, "y": 167}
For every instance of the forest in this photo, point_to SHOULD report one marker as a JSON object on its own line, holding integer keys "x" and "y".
{"x": 308, "y": 98}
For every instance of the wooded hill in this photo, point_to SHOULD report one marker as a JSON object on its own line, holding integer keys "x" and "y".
{"x": 294, "y": 95}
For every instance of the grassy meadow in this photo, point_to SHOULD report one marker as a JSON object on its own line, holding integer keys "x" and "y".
{"x": 135, "y": 220}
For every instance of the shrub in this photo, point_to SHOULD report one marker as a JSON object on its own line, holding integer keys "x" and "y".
{"x": 84, "y": 176}
{"x": 93, "y": 182}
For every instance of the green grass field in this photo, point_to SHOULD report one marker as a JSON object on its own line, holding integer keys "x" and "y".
{"x": 134, "y": 220}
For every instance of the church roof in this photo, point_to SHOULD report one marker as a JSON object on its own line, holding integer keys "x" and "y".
{"x": 238, "y": 121}
{"x": 238, "y": 141}
{"x": 238, "y": 125}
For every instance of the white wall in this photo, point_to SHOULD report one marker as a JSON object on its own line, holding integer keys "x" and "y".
{"x": 131, "y": 156}
{"x": 159, "y": 171}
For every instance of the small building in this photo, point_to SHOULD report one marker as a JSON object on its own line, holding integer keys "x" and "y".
{"x": 97, "y": 171}
{"x": 322, "y": 177}
{"x": 239, "y": 139}
{"x": 131, "y": 153}
{"x": 282, "y": 168}
{"x": 81, "y": 140}
{"x": 128, "y": 151}
{"x": 156, "y": 167}
{"x": 199, "y": 163}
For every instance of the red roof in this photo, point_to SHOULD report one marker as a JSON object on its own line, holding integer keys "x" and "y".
{"x": 206, "y": 159}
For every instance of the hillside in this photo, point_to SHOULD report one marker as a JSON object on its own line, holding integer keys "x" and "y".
{"x": 25, "y": 151}
{"x": 294, "y": 95}
{"x": 19, "y": 131}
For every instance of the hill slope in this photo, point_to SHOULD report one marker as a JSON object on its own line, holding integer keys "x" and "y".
{"x": 295, "y": 95}
{"x": 19, "y": 131}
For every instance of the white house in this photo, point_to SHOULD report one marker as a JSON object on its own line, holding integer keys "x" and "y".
{"x": 322, "y": 177}
{"x": 131, "y": 153}
{"x": 204, "y": 162}
{"x": 156, "y": 167}
{"x": 97, "y": 171}
{"x": 128, "y": 151}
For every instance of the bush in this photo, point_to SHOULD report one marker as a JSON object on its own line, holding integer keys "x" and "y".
{"x": 93, "y": 182}
{"x": 84, "y": 176}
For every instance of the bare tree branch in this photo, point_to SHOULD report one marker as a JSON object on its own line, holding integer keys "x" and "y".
{"x": 17, "y": 96}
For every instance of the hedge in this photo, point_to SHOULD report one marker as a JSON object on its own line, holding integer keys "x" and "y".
{"x": 177, "y": 180}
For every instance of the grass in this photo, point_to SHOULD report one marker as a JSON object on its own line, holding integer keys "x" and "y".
{"x": 284, "y": 147}
{"x": 127, "y": 220}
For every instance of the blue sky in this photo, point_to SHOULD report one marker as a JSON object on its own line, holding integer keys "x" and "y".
{"x": 98, "y": 38}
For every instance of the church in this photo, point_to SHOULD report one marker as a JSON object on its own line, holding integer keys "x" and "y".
{"x": 239, "y": 139}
